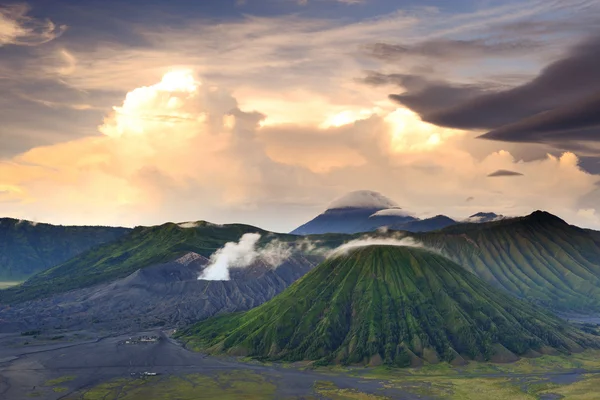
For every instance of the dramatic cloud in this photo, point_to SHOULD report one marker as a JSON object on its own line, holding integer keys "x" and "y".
{"x": 164, "y": 140}
{"x": 504, "y": 172}
{"x": 182, "y": 149}
{"x": 446, "y": 49}
{"x": 577, "y": 121}
{"x": 425, "y": 96}
{"x": 546, "y": 109}
{"x": 279, "y": 125}
{"x": 17, "y": 28}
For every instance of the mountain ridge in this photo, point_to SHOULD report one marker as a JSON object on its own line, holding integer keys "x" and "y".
{"x": 366, "y": 211}
{"x": 28, "y": 247}
{"x": 538, "y": 257}
{"x": 143, "y": 247}
{"x": 394, "y": 305}
{"x": 165, "y": 294}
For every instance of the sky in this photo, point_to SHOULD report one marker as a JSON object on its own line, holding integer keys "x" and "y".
{"x": 265, "y": 111}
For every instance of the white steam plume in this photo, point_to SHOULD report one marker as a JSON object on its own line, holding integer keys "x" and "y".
{"x": 242, "y": 254}
{"x": 307, "y": 246}
{"x": 371, "y": 241}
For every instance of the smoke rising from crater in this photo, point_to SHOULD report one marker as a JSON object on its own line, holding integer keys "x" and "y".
{"x": 243, "y": 254}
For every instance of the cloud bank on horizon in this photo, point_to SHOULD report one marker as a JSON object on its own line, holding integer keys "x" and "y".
{"x": 170, "y": 121}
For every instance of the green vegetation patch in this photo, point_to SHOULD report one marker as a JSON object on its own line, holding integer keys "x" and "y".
{"x": 588, "y": 360}
{"x": 227, "y": 386}
{"x": 58, "y": 381}
{"x": 457, "y": 387}
{"x": 330, "y": 391}
{"x": 585, "y": 389}
{"x": 486, "y": 389}
{"x": 529, "y": 378}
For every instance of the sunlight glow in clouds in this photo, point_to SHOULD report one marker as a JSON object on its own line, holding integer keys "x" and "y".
{"x": 178, "y": 81}
{"x": 410, "y": 133}
{"x": 184, "y": 150}
{"x": 347, "y": 117}
{"x": 165, "y": 104}
{"x": 281, "y": 123}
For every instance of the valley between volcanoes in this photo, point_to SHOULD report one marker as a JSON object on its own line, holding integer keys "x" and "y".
{"x": 477, "y": 317}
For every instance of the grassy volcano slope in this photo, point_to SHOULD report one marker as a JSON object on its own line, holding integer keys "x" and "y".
{"x": 538, "y": 257}
{"x": 395, "y": 305}
{"x": 143, "y": 247}
{"x": 27, "y": 248}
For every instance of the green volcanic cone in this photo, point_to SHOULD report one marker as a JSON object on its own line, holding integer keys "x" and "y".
{"x": 394, "y": 305}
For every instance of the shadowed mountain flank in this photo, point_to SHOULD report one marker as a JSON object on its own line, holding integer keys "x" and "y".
{"x": 168, "y": 294}
{"x": 28, "y": 247}
{"x": 539, "y": 257}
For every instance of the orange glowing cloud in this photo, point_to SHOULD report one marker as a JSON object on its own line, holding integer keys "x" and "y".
{"x": 182, "y": 150}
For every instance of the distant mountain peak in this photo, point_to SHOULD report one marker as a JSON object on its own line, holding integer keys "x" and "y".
{"x": 367, "y": 199}
{"x": 545, "y": 216}
{"x": 366, "y": 211}
{"x": 440, "y": 216}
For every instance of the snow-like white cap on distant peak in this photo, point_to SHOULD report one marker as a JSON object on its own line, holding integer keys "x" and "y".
{"x": 391, "y": 212}
{"x": 363, "y": 199}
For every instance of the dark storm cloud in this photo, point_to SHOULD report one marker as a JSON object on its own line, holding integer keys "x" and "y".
{"x": 450, "y": 49}
{"x": 590, "y": 164}
{"x": 424, "y": 96}
{"x": 42, "y": 114}
{"x": 504, "y": 172}
{"x": 36, "y": 110}
{"x": 559, "y": 102}
{"x": 541, "y": 28}
{"x": 579, "y": 121}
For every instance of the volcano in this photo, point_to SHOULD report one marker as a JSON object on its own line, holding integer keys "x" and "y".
{"x": 392, "y": 305}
